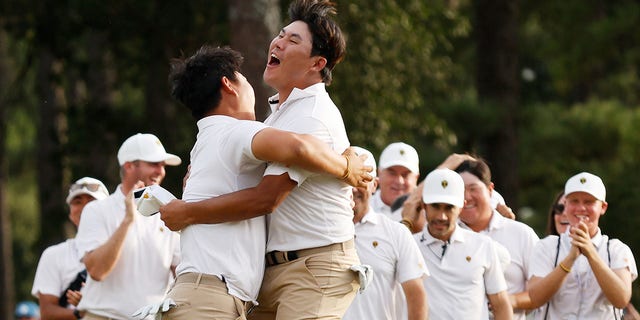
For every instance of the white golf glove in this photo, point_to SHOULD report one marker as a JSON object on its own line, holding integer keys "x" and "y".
{"x": 365, "y": 275}
{"x": 155, "y": 309}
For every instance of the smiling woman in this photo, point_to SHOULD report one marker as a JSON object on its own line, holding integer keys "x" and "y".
{"x": 557, "y": 221}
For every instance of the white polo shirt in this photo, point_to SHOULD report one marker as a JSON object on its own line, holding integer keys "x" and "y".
{"x": 317, "y": 212}
{"x": 580, "y": 296}
{"x": 519, "y": 240}
{"x": 59, "y": 265}
{"x": 142, "y": 274}
{"x": 460, "y": 280}
{"x": 222, "y": 162}
{"x": 380, "y": 207}
{"x": 389, "y": 248}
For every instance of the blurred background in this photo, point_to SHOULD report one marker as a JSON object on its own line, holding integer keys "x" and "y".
{"x": 540, "y": 89}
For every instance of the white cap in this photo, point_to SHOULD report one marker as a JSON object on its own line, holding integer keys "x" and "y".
{"x": 371, "y": 161}
{"x": 586, "y": 182}
{"x": 443, "y": 186}
{"x": 400, "y": 154}
{"x": 90, "y": 186}
{"x": 145, "y": 147}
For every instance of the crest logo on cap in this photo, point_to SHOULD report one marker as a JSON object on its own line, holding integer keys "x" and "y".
{"x": 583, "y": 180}
{"x": 158, "y": 142}
{"x": 444, "y": 184}
{"x": 402, "y": 152}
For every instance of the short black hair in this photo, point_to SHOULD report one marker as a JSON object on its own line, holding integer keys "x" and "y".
{"x": 478, "y": 168}
{"x": 196, "y": 80}
{"x": 328, "y": 41}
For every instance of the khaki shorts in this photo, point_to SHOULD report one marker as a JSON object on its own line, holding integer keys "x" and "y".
{"x": 316, "y": 285}
{"x": 201, "y": 296}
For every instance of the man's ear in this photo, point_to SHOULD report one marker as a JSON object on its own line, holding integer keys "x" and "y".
{"x": 320, "y": 63}
{"x": 605, "y": 205}
{"x": 227, "y": 86}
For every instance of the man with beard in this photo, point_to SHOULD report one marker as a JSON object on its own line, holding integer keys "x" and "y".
{"x": 464, "y": 265}
{"x": 130, "y": 258}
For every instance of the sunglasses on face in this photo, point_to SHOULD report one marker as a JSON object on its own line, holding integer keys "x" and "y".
{"x": 87, "y": 186}
{"x": 558, "y": 208}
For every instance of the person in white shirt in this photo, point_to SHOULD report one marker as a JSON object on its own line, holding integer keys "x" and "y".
{"x": 479, "y": 214}
{"x": 582, "y": 274}
{"x": 464, "y": 265}
{"x": 129, "y": 257}
{"x": 60, "y": 274}
{"x": 310, "y": 248}
{"x": 398, "y": 173}
{"x": 388, "y": 247}
{"x": 222, "y": 263}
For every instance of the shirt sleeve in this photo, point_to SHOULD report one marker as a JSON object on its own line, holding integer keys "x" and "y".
{"x": 531, "y": 241}
{"x": 241, "y": 138}
{"x": 622, "y": 257}
{"x": 93, "y": 230}
{"x": 411, "y": 264}
{"x": 542, "y": 257}
{"x": 47, "y": 279}
{"x": 494, "y": 276}
{"x": 307, "y": 125}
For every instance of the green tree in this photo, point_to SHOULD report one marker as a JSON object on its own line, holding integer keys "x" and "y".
{"x": 398, "y": 71}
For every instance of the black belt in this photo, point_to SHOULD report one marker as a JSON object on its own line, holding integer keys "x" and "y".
{"x": 273, "y": 258}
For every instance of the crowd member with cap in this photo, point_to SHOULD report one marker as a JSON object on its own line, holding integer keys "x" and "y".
{"x": 582, "y": 273}
{"x": 129, "y": 257}
{"x": 515, "y": 240}
{"x": 221, "y": 280}
{"x": 464, "y": 265}
{"x": 390, "y": 250}
{"x": 398, "y": 173}
{"x": 60, "y": 274}
{"x": 27, "y": 310}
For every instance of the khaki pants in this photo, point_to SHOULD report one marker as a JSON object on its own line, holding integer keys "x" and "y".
{"x": 93, "y": 316}
{"x": 201, "y": 296}
{"x": 315, "y": 286}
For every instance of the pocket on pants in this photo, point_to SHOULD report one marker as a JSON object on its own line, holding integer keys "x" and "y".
{"x": 331, "y": 272}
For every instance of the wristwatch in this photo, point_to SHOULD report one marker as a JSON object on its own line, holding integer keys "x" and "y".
{"x": 76, "y": 313}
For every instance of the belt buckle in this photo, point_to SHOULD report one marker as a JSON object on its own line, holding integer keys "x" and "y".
{"x": 291, "y": 255}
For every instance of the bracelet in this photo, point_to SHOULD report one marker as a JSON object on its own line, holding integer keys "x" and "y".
{"x": 347, "y": 172}
{"x": 407, "y": 224}
{"x": 565, "y": 269}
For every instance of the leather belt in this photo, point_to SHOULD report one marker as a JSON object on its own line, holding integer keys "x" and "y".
{"x": 273, "y": 258}
{"x": 200, "y": 278}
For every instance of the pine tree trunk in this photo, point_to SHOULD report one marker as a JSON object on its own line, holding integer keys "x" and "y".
{"x": 7, "y": 292}
{"x": 498, "y": 87}
{"x": 254, "y": 24}
{"x": 49, "y": 155}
